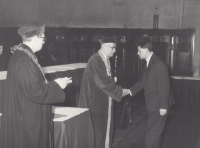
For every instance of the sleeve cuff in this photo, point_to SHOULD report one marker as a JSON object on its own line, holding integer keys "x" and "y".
{"x": 130, "y": 92}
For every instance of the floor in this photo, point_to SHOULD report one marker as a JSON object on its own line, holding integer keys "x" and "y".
{"x": 182, "y": 129}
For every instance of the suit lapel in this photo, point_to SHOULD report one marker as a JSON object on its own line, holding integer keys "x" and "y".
{"x": 151, "y": 61}
{"x": 149, "y": 67}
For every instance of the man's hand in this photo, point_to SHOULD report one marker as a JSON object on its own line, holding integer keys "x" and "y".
{"x": 163, "y": 112}
{"x": 63, "y": 82}
{"x": 125, "y": 92}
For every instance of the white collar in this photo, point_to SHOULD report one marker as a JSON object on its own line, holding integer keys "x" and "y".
{"x": 148, "y": 59}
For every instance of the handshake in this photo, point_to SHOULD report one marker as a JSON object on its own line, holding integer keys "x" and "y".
{"x": 126, "y": 92}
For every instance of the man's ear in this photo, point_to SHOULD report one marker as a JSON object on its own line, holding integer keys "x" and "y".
{"x": 34, "y": 39}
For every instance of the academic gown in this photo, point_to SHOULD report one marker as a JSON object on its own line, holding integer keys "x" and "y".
{"x": 96, "y": 88}
{"x": 27, "y": 116}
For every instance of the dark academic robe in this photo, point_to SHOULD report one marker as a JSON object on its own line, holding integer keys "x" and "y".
{"x": 156, "y": 85}
{"x": 96, "y": 88}
{"x": 26, "y": 116}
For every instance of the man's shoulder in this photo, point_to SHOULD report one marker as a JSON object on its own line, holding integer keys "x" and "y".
{"x": 95, "y": 61}
{"x": 19, "y": 55}
{"x": 158, "y": 59}
{"x": 94, "y": 57}
{"x": 158, "y": 62}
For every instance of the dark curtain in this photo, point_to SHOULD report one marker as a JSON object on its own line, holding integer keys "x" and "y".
{"x": 55, "y": 13}
{"x": 173, "y": 14}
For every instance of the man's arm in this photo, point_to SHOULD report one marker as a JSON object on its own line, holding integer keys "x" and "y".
{"x": 136, "y": 88}
{"x": 34, "y": 87}
{"x": 163, "y": 85}
{"x": 104, "y": 82}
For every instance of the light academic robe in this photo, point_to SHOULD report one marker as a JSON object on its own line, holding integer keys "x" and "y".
{"x": 96, "y": 89}
{"x": 27, "y": 117}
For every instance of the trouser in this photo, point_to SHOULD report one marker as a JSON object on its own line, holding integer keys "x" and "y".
{"x": 156, "y": 124}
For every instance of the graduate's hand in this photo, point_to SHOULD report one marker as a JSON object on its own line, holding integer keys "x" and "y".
{"x": 163, "y": 112}
{"x": 63, "y": 82}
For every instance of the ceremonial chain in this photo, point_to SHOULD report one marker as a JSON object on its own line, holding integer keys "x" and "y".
{"x": 106, "y": 62}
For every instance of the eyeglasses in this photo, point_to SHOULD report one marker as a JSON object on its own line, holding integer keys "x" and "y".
{"x": 111, "y": 47}
{"x": 44, "y": 38}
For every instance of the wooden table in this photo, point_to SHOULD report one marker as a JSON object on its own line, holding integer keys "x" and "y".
{"x": 186, "y": 92}
{"x": 72, "y": 127}
{"x": 52, "y": 72}
{"x": 68, "y": 70}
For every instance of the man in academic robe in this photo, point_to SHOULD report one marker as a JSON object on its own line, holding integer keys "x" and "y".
{"x": 27, "y": 116}
{"x": 156, "y": 85}
{"x": 98, "y": 90}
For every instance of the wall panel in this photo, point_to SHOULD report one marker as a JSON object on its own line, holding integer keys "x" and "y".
{"x": 173, "y": 14}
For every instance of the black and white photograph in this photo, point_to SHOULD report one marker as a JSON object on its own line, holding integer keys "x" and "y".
{"x": 99, "y": 74}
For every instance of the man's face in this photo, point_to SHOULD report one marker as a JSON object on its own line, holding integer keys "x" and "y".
{"x": 40, "y": 41}
{"x": 1, "y": 50}
{"x": 110, "y": 49}
{"x": 142, "y": 52}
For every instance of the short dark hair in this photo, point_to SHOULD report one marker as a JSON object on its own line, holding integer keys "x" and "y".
{"x": 145, "y": 43}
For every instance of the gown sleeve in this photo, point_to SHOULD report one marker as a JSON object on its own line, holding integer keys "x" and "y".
{"x": 33, "y": 85}
{"x": 104, "y": 82}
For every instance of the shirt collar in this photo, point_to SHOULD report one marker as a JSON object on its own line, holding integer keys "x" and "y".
{"x": 148, "y": 59}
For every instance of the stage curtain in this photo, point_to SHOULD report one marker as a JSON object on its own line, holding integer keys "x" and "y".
{"x": 55, "y": 13}
{"x": 98, "y": 13}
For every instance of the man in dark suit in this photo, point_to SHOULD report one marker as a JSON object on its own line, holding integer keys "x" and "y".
{"x": 156, "y": 85}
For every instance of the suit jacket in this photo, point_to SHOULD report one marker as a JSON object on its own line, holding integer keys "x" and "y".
{"x": 156, "y": 85}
